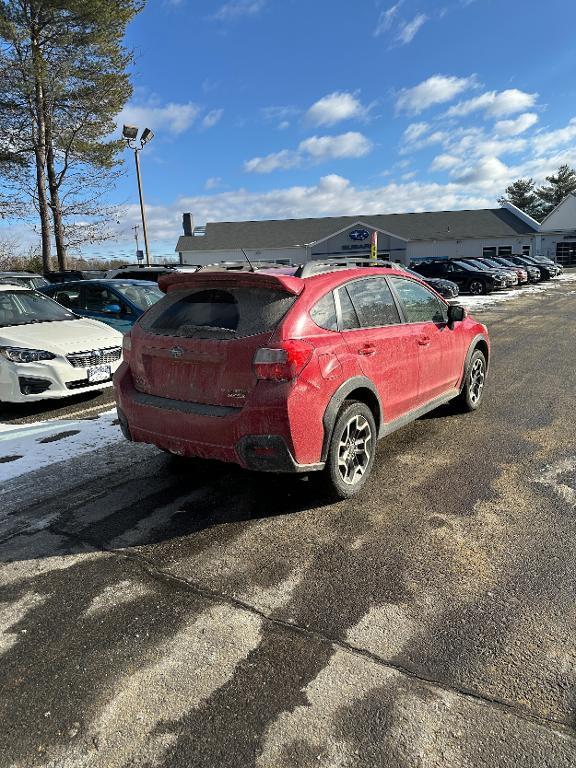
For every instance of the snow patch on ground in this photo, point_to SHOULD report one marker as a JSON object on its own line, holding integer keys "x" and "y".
{"x": 23, "y": 448}
{"x": 501, "y": 297}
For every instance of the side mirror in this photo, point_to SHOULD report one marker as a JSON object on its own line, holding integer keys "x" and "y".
{"x": 111, "y": 309}
{"x": 456, "y": 313}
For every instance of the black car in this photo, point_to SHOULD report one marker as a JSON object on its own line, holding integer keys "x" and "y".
{"x": 74, "y": 274}
{"x": 533, "y": 273}
{"x": 447, "y": 288}
{"x": 546, "y": 270}
{"x": 510, "y": 276}
{"x": 467, "y": 278}
{"x": 547, "y": 264}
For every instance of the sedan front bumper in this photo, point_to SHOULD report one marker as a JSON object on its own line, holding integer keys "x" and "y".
{"x": 46, "y": 380}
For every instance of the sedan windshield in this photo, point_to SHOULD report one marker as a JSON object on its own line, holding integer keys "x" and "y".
{"x": 143, "y": 296}
{"x": 491, "y": 263}
{"x": 25, "y": 307}
{"x": 477, "y": 264}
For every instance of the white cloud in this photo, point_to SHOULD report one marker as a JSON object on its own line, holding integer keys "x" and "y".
{"x": 415, "y": 131}
{"x": 236, "y": 10}
{"x": 487, "y": 174}
{"x": 351, "y": 144}
{"x": 173, "y": 118}
{"x": 282, "y": 160}
{"x": 212, "y": 118}
{"x": 415, "y": 137}
{"x": 213, "y": 182}
{"x": 387, "y": 18}
{"x": 495, "y": 104}
{"x": 315, "y": 149}
{"x": 333, "y": 195}
{"x": 497, "y": 147}
{"x": 517, "y": 126}
{"x": 444, "y": 162}
{"x": 334, "y": 108}
{"x": 437, "y": 89}
{"x": 546, "y": 140}
{"x": 409, "y": 29}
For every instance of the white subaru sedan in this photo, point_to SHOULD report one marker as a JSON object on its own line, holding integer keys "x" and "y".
{"x": 47, "y": 351}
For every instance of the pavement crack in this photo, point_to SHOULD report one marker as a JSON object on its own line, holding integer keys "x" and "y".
{"x": 208, "y": 594}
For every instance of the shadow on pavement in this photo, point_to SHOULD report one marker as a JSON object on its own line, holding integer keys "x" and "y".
{"x": 10, "y": 412}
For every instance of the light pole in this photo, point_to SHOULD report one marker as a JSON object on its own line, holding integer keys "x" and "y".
{"x": 130, "y": 134}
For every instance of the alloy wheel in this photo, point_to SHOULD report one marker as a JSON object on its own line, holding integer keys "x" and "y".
{"x": 476, "y": 381}
{"x": 476, "y": 287}
{"x": 354, "y": 449}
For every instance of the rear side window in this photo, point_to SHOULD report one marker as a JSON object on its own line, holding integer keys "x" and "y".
{"x": 373, "y": 302}
{"x": 68, "y": 297}
{"x": 217, "y": 313}
{"x": 347, "y": 311}
{"x": 420, "y": 305}
{"x": 324, "y": 313}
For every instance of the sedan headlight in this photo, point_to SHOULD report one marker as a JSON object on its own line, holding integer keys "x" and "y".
{"x": 19, "y": 355}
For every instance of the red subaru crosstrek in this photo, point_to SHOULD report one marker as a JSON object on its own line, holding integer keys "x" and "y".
{"x": 295, "y": 370}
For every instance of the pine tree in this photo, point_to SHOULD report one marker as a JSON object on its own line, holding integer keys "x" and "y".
{"x": 63, "y": 79}
{"x": 522, "y": 194}
{"x": 559, "y": 187}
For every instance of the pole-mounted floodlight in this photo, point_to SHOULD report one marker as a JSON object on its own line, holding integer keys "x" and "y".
{"x": 130, "y": 134}
{"x": 146, "y": 136}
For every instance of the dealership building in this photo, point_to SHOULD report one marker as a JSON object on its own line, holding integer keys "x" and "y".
{"x": 402, "y": 237}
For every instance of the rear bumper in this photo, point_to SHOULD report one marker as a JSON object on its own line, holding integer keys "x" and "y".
{"x": 254, "y": 438}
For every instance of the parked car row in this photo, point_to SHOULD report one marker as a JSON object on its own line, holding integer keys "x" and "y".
{"x": 479, "y": 276}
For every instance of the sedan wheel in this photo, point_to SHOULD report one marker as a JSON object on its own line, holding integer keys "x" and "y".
{"x": 477, "y": 287}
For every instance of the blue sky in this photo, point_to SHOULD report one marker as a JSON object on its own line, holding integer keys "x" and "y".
{"x": 281, "y": 108}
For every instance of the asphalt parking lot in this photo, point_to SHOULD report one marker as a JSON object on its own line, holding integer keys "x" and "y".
{"x": 157, "y": 612}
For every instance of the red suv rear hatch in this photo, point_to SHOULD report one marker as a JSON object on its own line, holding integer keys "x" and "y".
{"x": 198, "y": 344}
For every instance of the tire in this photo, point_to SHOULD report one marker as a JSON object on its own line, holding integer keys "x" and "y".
{"x": 472, "y": 392}
{"x": 351, "y": 451}
{"x": 477, "y": 287}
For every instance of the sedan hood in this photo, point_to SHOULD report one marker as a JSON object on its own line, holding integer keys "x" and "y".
{"x": 441, "y": 282}
{"x": 62, "y": 337}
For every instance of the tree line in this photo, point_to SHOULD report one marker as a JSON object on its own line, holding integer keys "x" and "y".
{"x": 64, "y": 77}
{"x": 538, "y": 202}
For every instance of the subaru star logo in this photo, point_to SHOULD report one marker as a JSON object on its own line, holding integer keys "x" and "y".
{"x": 176, "y": 352}
{"x": 359, "y": 234}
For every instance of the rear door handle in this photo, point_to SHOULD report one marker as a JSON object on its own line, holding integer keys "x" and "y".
{"x": 367, "y": 350}
{"x": 423, "y": 341}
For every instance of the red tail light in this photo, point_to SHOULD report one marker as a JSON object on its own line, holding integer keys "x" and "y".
{"x": 282, "y": 363}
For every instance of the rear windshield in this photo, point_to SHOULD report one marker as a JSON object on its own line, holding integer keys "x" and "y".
{"x": 217, "y": 313}
{"x": 143, "y": 296}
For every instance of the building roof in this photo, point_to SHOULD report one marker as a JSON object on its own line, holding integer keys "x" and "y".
{"x": 279, "y": 233}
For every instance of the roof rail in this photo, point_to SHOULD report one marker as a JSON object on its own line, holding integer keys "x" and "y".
{"x": 317, "y": 267}
{"x": 241, "y": 266}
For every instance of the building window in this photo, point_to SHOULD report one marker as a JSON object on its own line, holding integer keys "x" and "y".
{"x": 505, "y": 250}
{"x": 525, "y": 250}
{"x": 566, "y": 253}
{"x": 488, "y": 253}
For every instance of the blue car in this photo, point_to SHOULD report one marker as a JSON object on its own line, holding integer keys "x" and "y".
{"x": 118, "y": 303}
